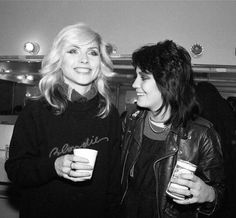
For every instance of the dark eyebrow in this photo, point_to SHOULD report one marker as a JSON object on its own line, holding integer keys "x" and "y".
{"x": 94, "y": 47}
{"x": 146, "y": 72}
{"x": 142, "y": 73}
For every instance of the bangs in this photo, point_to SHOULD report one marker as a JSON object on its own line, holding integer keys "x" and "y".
{"x": 82, "y": 36}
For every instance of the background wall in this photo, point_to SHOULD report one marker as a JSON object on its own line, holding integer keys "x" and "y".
{"x": 127, "y": 24}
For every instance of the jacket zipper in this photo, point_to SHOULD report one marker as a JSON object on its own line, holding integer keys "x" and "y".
{"x": 127, "y": 184}
{"x": 154, "y": 164}
{"x": 125, "y": 158}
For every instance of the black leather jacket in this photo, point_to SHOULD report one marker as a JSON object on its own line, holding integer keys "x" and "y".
{"x": 198, "y": 143}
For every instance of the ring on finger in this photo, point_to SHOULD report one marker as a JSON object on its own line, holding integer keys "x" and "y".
{"x": 71, "y": 165}
{"x": 190, "y": 191}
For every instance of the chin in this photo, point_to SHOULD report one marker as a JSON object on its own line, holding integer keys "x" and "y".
{"x": 140, "y": 104}
{"x": 84, "y": 82}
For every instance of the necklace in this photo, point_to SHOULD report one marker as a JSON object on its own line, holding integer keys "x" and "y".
{"x": 160, "y": 129}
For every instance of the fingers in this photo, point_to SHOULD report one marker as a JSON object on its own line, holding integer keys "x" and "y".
{"x": 190, "y": 198}
{"x": 196, "y": 188}
{"x": 72, "y": 162}
{"x": 80, "y": 173}
{"x": 77, "y": 179}
{"x": 179, "y": 189}
{"x": 186, "y": 201}
{"x": 80, "y": 166}
{"x": 80, "y": 159}
{"x": 186, "y": 185}
{"x": 184, "y": 180}
{"x": 80, "y": 170}
{"x": 62, "y": 165}
{"x": 74, "y": 168}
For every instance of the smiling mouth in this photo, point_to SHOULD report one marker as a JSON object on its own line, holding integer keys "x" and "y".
{"x": 82, "y": 69}
{"x": 140, "y": 93}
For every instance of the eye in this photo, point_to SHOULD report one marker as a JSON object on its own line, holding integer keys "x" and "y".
{"x": 93, "y": 52}
{"x": 144, "y": 76}
{"x": 73, "y": 51}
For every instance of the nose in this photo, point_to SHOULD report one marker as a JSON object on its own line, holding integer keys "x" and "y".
{"x": 84, "y": 59}
{"x": 135, "y": 83}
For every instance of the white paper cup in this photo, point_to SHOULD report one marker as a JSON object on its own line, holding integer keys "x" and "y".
{"x": 90, "y": 154}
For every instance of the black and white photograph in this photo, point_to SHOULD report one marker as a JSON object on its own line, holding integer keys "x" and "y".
{"x": 117, "y": 108}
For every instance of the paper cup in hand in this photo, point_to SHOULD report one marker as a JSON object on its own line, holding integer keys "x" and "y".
{"x": 90, "y": 154}
{"x": 180, "y": 167}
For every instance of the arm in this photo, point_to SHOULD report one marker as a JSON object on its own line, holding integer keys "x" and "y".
{"x": 25, "y": 166}
{"x": 29, "y": 164}
{"x": 211, "y": 170}
{"x": 207, "y": 186}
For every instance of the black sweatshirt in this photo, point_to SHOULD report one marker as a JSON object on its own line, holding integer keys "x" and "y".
{"x": 40, "y": 137}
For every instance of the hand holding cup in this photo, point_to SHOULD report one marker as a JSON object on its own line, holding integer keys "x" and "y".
{"x": 175, "y": 189}
{"x": 88, "y": 154}
{"x": 76, "y": 167}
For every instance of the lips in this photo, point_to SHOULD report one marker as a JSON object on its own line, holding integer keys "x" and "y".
{"x": 140, "y": 93}
{"x": 82, "y": 69}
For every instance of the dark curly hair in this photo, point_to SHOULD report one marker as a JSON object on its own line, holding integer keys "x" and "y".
{"x": 170, "y": 65}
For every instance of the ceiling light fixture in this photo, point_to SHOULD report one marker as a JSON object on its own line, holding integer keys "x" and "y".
{"x": 32, "y": 48}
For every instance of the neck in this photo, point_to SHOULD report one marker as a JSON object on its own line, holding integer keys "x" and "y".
{"x": 82, "y": 90}
{"x": 161, "y": 117}
{"x": 79, "y": 88}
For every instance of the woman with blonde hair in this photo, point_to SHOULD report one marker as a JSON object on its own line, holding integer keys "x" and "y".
{"x": 53, "y": 74}
{"x": 74, "y": 111}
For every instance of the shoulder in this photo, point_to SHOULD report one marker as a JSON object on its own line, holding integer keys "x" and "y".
{"x": 133, "y": 116}
{"x": 136, "y": 113}
{"x": 38, "y": 104}
{"x": 202, "y": 122}
{"x": 202, "y": 133}
{"x": 34, "y": 108}
{"x": 202, "y": 127}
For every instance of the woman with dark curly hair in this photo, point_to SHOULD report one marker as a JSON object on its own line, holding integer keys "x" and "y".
{"x": 166, "y": 130}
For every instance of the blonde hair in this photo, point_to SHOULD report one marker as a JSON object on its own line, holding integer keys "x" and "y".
{"x": 51, "y": 84}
